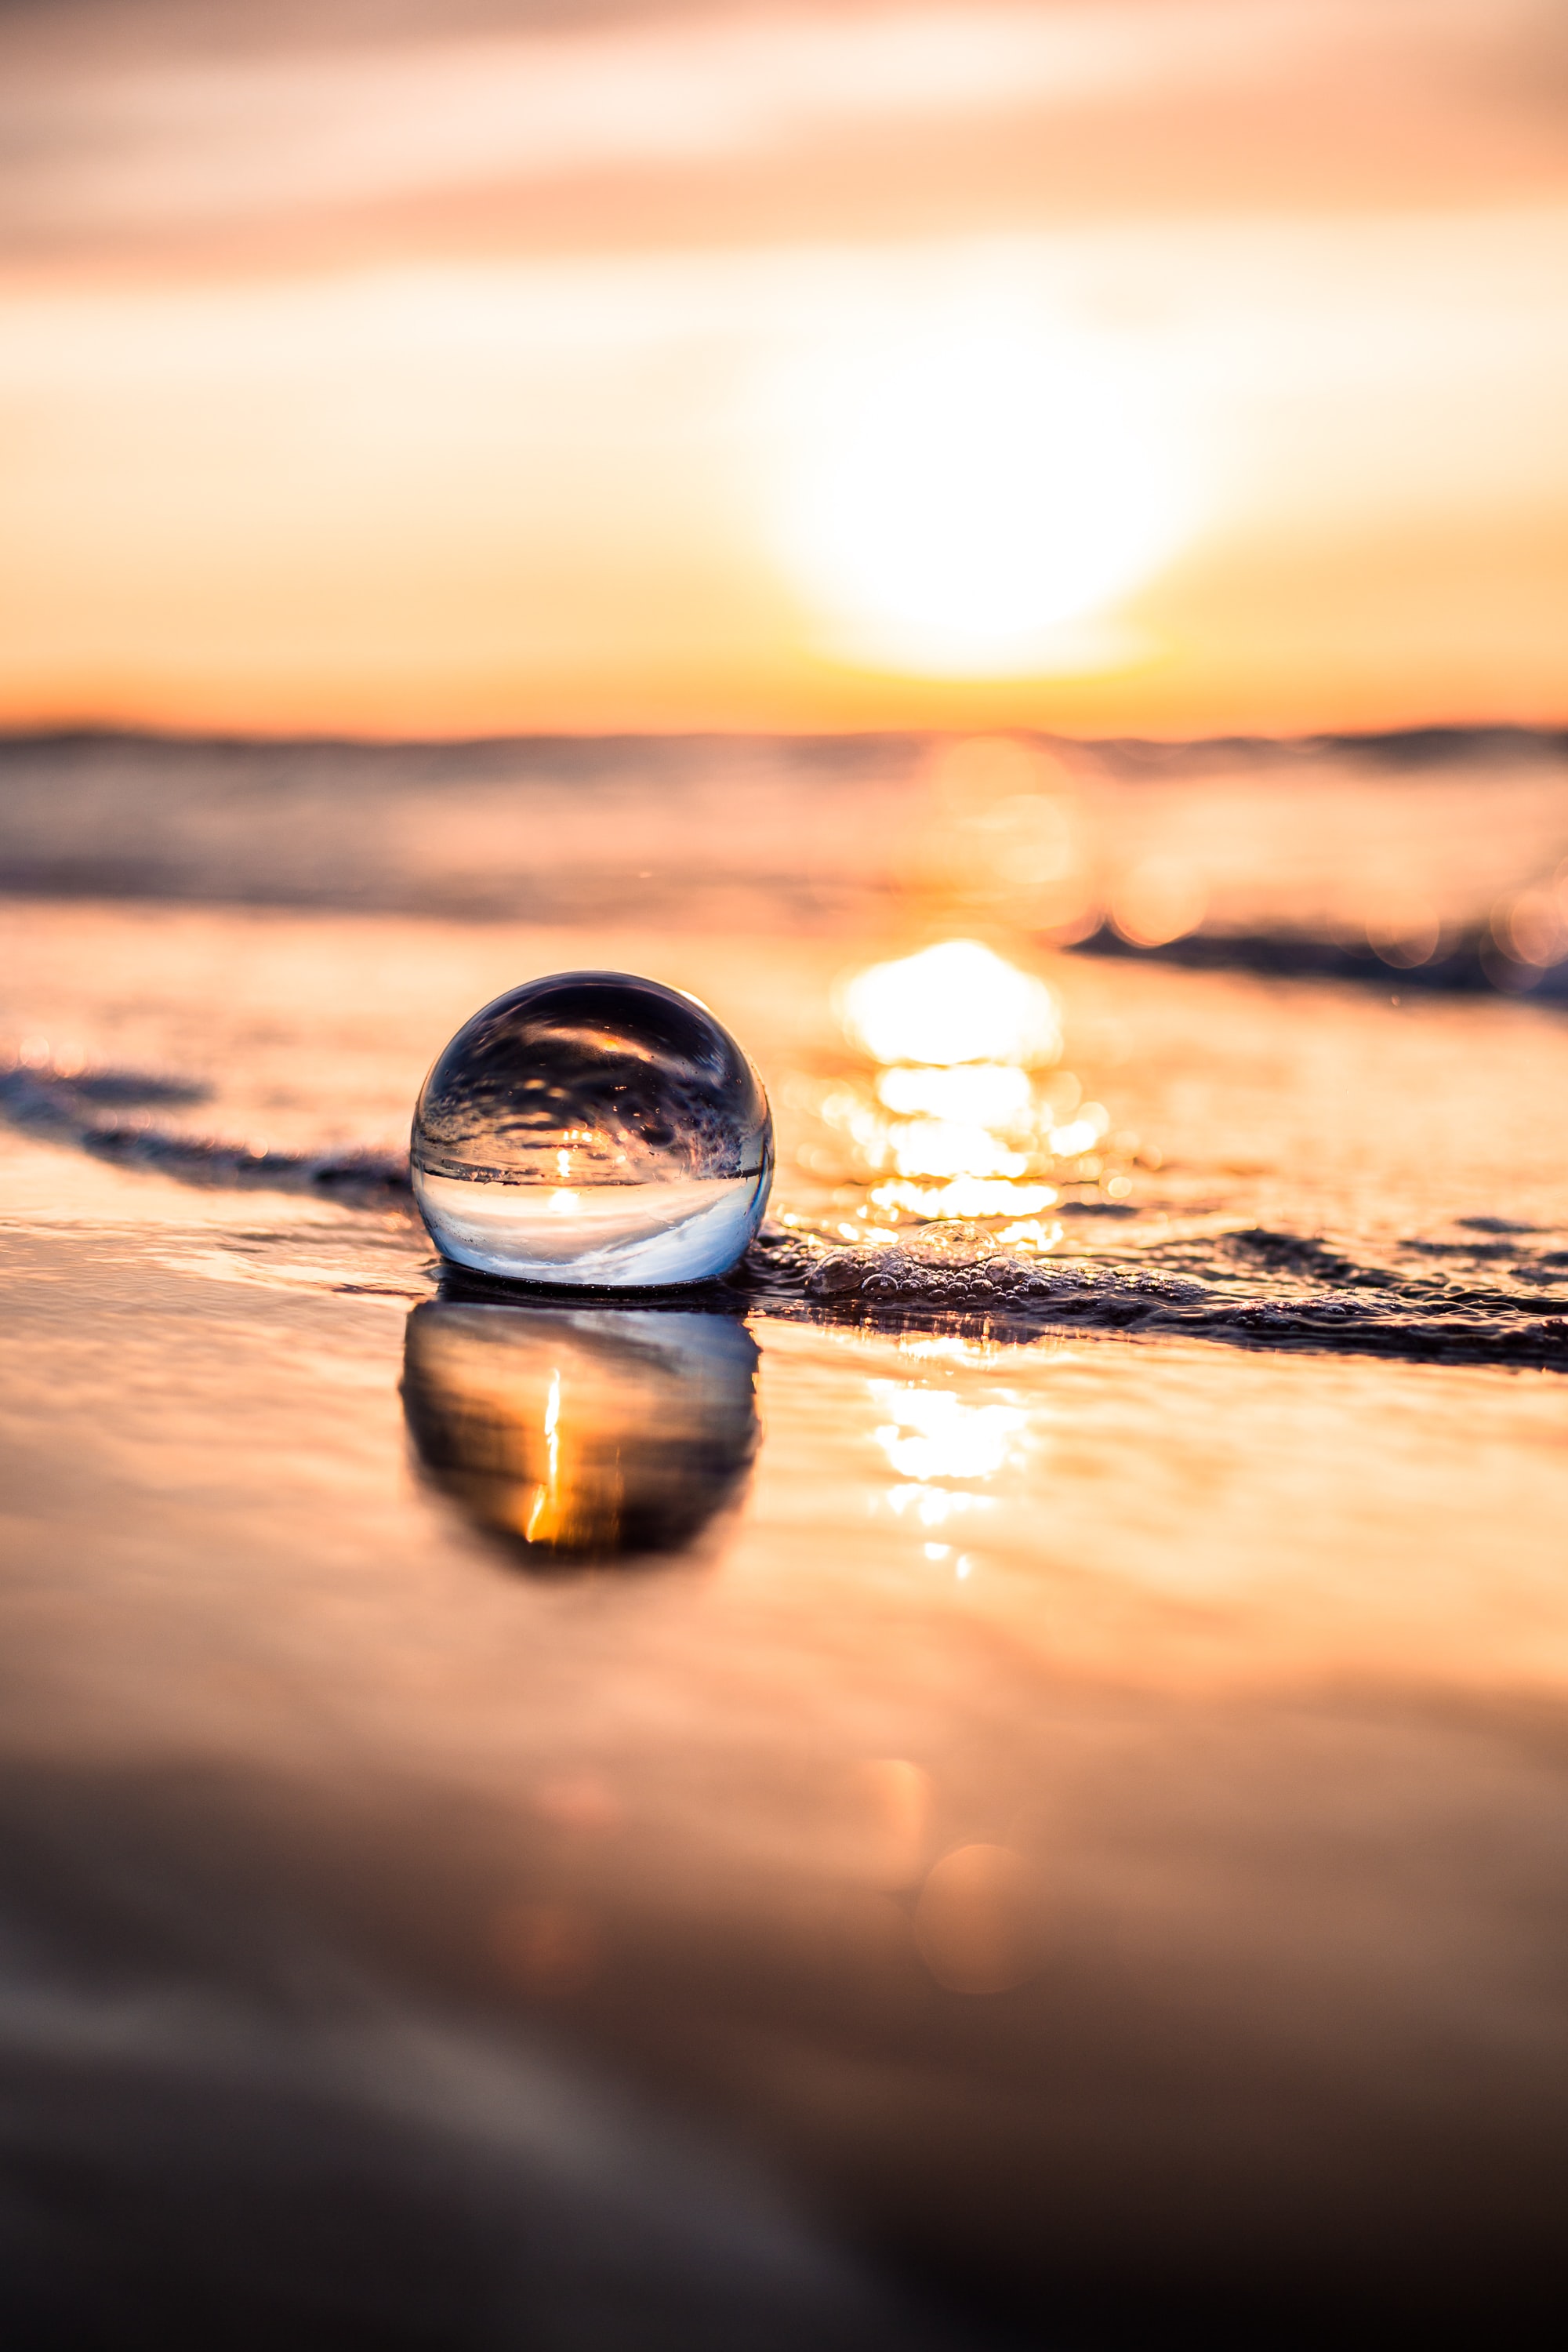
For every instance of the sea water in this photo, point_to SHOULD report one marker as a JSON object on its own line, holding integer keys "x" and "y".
{"x": 1019, "y": 1772}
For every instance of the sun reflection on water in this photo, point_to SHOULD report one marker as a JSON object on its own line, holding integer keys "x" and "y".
{"x": 951, "y": 1004}
{"x": 982, "y": 1093}
{"x": 933, "y": 1507}
{"x": 942, "y": 1449}
{"x": 965, "y": 1198}
{"x": 967, "y": 1118}
{"x": 931, "y": 1433}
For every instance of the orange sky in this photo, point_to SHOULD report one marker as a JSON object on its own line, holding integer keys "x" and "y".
{"x": 1156, "y": 365}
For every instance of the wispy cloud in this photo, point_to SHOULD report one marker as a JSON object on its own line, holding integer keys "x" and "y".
{"x": 252, "y": 134}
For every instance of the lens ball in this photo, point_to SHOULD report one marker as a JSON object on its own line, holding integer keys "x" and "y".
{"x": 596, "y": 1130}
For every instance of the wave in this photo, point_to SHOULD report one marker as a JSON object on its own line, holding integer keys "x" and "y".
{"x": 1476, "y": 1299}
{"x": 1469, "y": 963}
{"x": 104, "y": 1112}
{"x": 1434, "y": 1321}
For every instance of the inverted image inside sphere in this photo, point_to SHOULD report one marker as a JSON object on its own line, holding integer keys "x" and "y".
{"x": 593, "y": 1130}
{"x": 630, "y": 1080}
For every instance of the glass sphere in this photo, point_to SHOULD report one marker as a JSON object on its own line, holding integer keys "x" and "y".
{"x": 593, "y": 1128}
{"x": 582, "y": 1434}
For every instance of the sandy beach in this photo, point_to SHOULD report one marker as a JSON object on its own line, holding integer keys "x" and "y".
{"x": 1067, "y": 1809}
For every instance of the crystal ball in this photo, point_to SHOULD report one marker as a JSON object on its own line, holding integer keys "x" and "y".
{"x": 593, "y": 1128}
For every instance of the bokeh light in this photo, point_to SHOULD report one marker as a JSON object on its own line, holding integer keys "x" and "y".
{"x": 978, "y": 1923}
{"x": 1159, "y": 900}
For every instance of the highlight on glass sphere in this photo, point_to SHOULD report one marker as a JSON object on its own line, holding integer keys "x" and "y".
{"x": 572, "y": 1435}
{"x": 593, "y": 1129}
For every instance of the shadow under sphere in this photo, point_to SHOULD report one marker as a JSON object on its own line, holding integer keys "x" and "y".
{"x": 581, "y": 1435}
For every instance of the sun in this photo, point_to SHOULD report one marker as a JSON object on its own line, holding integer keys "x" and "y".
{"x": 967, "y": 501}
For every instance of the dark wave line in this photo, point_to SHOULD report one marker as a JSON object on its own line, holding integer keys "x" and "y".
{"x": 1225, "y": 1289}
{"x": 1437, "y": 1324}
{"x": 1469, "y": 965}
{"x": 88, "y": 1109}
{"x": 1502, "y": 1332}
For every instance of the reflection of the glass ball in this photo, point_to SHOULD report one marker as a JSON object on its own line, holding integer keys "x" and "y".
{"x": 580, "y": 1434}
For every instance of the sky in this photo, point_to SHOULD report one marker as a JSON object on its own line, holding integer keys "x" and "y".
{"x": 1121, "y": 366}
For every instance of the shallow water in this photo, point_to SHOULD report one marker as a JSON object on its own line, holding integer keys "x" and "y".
{"x": 992, "y": 1780}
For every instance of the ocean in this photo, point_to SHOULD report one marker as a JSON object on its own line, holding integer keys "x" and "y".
{"x": 995, "y": 1779}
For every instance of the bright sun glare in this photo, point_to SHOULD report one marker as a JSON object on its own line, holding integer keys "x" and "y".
{"x": 952, "y": 1004}
{"x": 969, "y": 502}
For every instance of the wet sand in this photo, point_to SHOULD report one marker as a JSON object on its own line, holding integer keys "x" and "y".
{"x": 1048, "y": 1831}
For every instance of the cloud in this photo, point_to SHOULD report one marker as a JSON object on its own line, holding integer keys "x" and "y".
{"x": 239, "y": 136}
